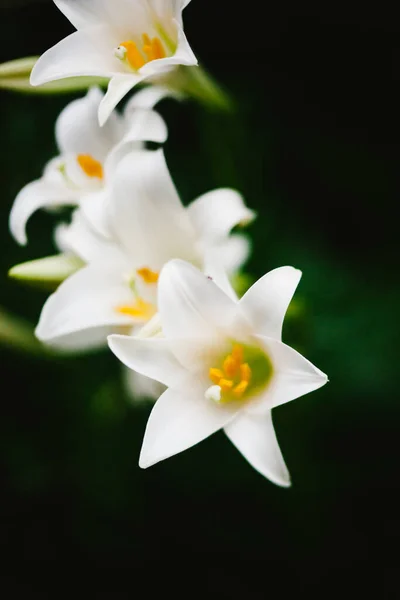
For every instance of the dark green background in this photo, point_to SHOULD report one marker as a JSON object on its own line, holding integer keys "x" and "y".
{"x": 314, "y": 149}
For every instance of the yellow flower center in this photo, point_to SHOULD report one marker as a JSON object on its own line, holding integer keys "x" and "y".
{"x": 136, "y": 57}
{"x": 140, "y": 309}
{"x": 148, "y": 275}
{"x": 90, "y": 166}
{"x": 241, "y": 372}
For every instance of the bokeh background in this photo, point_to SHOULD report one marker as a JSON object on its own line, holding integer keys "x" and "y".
{"x": 314, "y": 149}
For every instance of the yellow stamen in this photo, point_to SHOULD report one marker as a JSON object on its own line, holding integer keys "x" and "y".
{"x": 133, "y": 56}
{"x": 91, "y": 166}
{"x": 139, "y": 309}
{"x": 245, "y": 372}
{"x": 148, "y": 275}
{"x": 240, "y": 389}
{"x": 237, "y": 353}
{"x": 230, "y": 366}
{"x": 158, "y": 50}
{"x": 215, "y": 375}
{"x": 225, "y": 384}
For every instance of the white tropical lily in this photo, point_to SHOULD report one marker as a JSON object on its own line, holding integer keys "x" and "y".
{"x": 147, "y": 226}
{"x": 224, "y": 364}
{"x": 88, "y": 153}
{"x": 126, "y": 40}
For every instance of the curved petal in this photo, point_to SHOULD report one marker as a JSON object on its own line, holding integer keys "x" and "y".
{"x": 180, "y": 419}
{"x": 85, "y": 52}
{"x": 35, "y": 195}
{"x": 214, "y": 269}
{"x": 293, "y": 376}
{"x": 85, "y": 301}
{"x": 183, "y": 56}
{"x": 118, "y": 87}
{"x": 193, "y": 307}
{"x": 266, "y": 302}
{"x": 150, "y": 357}
{"x": 94, "y": 210}
{"x": 255, "y": 438}
{"x": 143, "y": 126}
{"x": 216, "y": 213}
{"x": 140, "y": 388}
{"x": 78, "y": 130}
{"x": 232, "y": 252}
{"x": 147, "y": 98}
{"x": 81, "y": 240}
{"x": 83, "y": 13}
{"x": 146, "y": 214}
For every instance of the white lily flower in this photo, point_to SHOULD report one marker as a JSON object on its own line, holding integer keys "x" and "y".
{"x": 224, "y": 364}
{"x": 147, "y": 226}
{"x": 88, "y": 153}
{"x": 126, "y": 40}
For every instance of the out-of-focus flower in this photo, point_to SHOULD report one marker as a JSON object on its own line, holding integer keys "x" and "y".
{"x": 127, "y": 41}
{"x": 88, "y": 154}
{"x": 145, "y": 225}
{"x": 224, "y": 364}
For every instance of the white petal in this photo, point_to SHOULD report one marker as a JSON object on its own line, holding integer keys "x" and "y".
{"x": 266, "y": 302}
{"x": 84, "y": 12}
{"x": 216, "y": 213}
{"x": 147, "y": 98}
{"x": 142, "y": 126}
{"x": 213, "y": 268}
{"x": 86, "y": 300}
{"x": 180, "y": 419}
{"x": 150, "y": 357}
{"x": 293, "y": 376}
{"x": 118, "y": 87}
{"x": 86, "y": 52}
{"x": 183, "y": 56}
{"x": 255, "y": 438}
{"x": 146, "y": 213}
{"x": 193, "y": 307}
{"x": 140, "y": 388}
{"x": 78, "y": 130}
{"x": 35, "y": 195}
{"x": 94, "y": 208}
{"x": 82, "y": 240}
{"x": 232, "y": 252}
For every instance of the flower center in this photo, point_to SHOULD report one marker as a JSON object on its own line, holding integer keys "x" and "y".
{"x": 239, "y": 374}
{"x": 136, "y": 57}
{"x": 140, "y": 308}
{"x": 90, "y": 166}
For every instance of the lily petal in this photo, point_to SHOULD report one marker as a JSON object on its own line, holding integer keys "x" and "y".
{"x": 78, "y": 131}
{"x": 85, "y": 52}
{"x": 193, "y": 307}
{"x": 233, "y": 252}
{"x": 216, "y": 213}
{"x": 266, "y": 302}
{"x": 35, "y": 195}
{"x": 293, "y": 376}
{"x": 150, "y": 357}
{"x": 255, "y": 438}
{"x": 85, "y": 301}
{"x": 180, "y": 419}
{"x": 83, "y": 13}
{"x": 145, "y": 203}
{"x": 80, "y": 239}
{"x": 118, "y": 87}
{"x": 140, "y": 388}
{"x": 183, "y": 56}
{"x": 147, "y": 98}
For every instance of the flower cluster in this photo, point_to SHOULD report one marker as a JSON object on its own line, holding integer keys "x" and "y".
{"x": 140, "y": 271}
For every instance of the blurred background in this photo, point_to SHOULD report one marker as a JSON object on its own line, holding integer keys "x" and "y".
{"x": 314, "y": 149}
